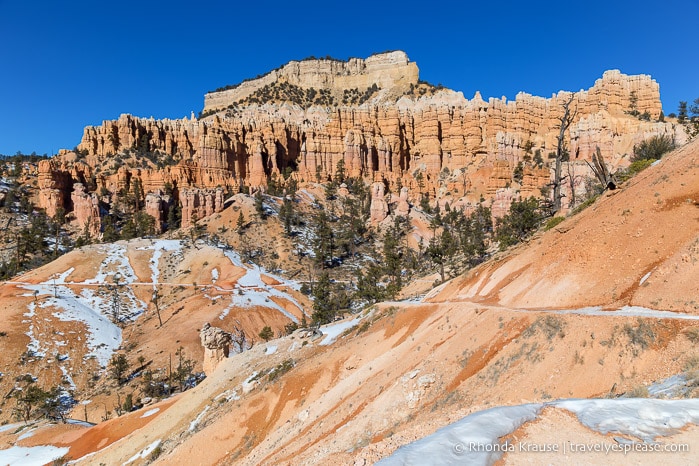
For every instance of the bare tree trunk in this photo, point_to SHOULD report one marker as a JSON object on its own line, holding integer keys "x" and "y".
{"x": 599, "y": 168}
{"x": 571, "y": 183}
{"x": 565, "y": 120}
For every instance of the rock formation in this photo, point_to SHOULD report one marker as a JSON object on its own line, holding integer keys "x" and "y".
{"x": 199, "y": 203}
{"x": 216, "y": 343}
{"x": 403, "y": 207}
{"x": 441, "y": 144}
{"x": 390, "y": 70}
{"x": 86, "y": 210}
{"x": 379, "y": 207}
{"x": 155, "y": 205}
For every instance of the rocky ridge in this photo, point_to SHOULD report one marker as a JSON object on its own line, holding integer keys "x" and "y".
{"x": 443, "y": 146}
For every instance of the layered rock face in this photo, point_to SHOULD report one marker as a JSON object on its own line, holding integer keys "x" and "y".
{"x": 390, "y": 70}
{"x": 86, "y": 209}
{"x": 216, "y": 343}
{"x": 444, "y": 146}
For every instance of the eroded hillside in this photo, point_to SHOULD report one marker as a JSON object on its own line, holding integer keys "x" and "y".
{"x": 399, "y": 371}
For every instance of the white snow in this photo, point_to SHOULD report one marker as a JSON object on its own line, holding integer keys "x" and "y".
{"x": 7, "y": 427}
{"x": 472, "y": 440}
{"x": 251, "y": 290}
{"x": 26, "y": 434}
{"x": 34, "y": 344}
{"x": 332, "y": 331}
{"x": 643, "y": 418}
{"x": 271, "y": 349}
{"x": 104, "y": 338}
{"x": 475, "y": 438}
{"x": 673, "y": 386}
{"x": 193, "y": 425}
{"x": 67, "y": 377}
{"x": 31, "y": 456}
{"x": 626, "y": 311}
{"x": 150, "y": 412}
{"x": 645, "y": 277}
{"x": 145, "y": 452}
{"x": 116, "y": 262}
{"x": 249, "y": 384}
{"x": 158, "y": 248}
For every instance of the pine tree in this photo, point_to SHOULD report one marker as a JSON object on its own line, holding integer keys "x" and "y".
{"x": 259, "y": 205}
{"x": 323, "y": 311}
{"x": 323, "y": 239}
{"x": 240, "y": 224}
{"x": 682, "y": 112}
{"x": 118, "y": 366}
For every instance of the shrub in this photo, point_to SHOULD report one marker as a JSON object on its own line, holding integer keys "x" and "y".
{"x": 266, "y": 334}
{"x": 553, "y": 222}
{"x": 692, "y": 334}
{"x": 652, "y": 148}
{"x": 638, "y": 392}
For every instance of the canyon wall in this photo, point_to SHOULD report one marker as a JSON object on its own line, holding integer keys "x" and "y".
{"x": 443, "y": 145}
{"x": 391, "y": 70}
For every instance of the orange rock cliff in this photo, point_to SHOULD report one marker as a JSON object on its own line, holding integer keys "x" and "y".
{"x": 465, "y": 150}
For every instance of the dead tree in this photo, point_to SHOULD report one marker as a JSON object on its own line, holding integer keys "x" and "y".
{"x": 565, "y": 120}
{"x": 601, "y": 171}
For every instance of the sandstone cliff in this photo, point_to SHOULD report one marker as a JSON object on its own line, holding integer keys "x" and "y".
{"x": 442, "y": 145}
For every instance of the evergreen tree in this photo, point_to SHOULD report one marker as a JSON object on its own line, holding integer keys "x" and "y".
{"x": 323, "y": 312}
{"x": 259, "y": 205}
{"x": 184, "y": 368}
{"x": 240, "y": 224}
{"x": 174, "y": 216}
{"x": 392, "y": 259}
{"x": 118, "y": 366}
{"x": 522, "y": 220}
{"x": 323, "y": 239}
{"x": 266, "y": 334}
{"x": 682, "y": 112}
{"x": 368, "y": 279}
{"x": 287, "y": 215}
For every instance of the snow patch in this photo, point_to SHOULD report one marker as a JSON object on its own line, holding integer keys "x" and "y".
{"x": 145, "y": 452}
{"x": 249, "y": 384}
{"x": 32, "y": 456}
{"x": 251, "y": 290}
{"x": 150, "y": 412}
{"x": 449, "y": 445}
{"x": 645, "y": 277}
{"x": 104, "y": 337}
{"x": 271, "y": 349}
{"x": 193, "y": 425}
{"x": 645, "y": 419}
{"x": 332, "y": 331}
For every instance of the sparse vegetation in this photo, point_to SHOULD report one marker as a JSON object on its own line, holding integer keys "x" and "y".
{"x": 266, "y": 333}
{"x": 281, "y": 369}
{"x": 652, "y": 148}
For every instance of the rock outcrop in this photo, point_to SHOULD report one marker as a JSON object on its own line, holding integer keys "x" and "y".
{"x": 86, "y": 210}
{"x": 216, "y": 343}
{"x": 391, "y": 71}
{"x": 379, "y": 207}
{"x": 199, "y": 203}
{"x": 440, "y": 145}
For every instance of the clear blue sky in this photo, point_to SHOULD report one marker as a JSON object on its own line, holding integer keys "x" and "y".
{"x": 68, "y": 64}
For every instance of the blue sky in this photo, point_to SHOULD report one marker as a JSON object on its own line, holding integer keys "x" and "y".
{"x": 68, "y": 64}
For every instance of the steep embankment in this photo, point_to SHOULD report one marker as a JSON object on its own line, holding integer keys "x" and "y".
{"x": 64, "y": 321}
{"x": 638, "y": 245}
{"x": 404, "y": 370}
